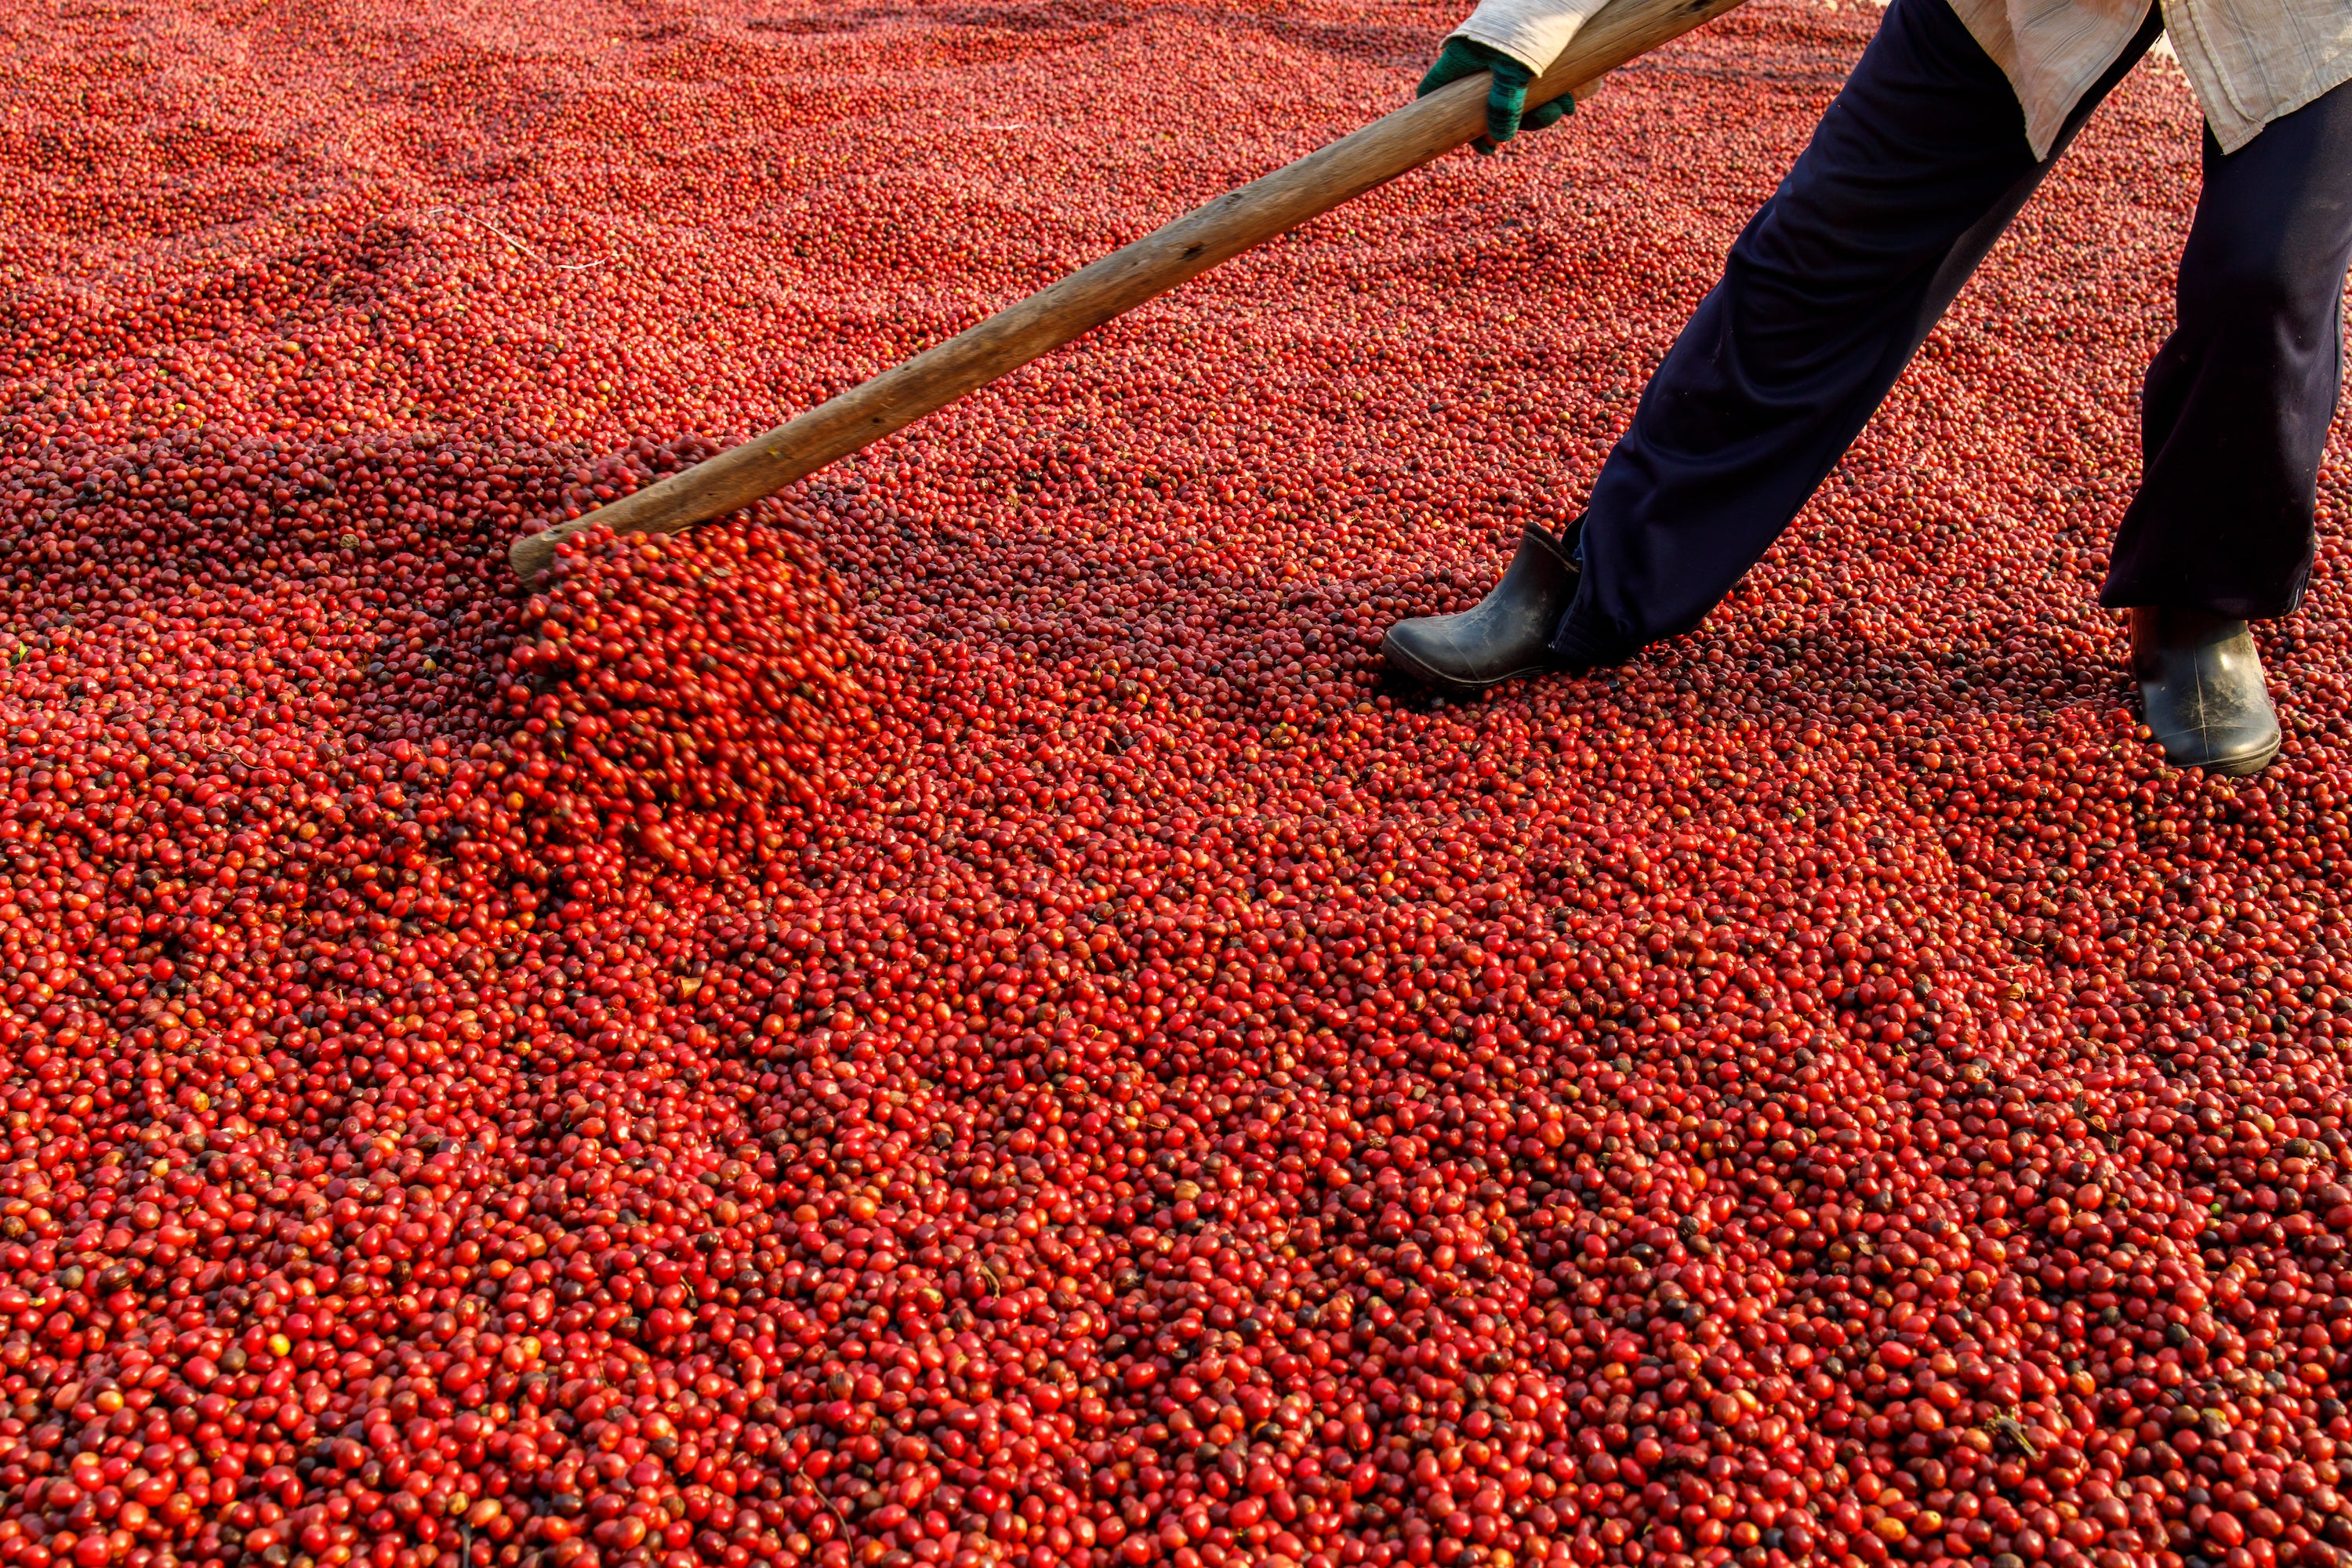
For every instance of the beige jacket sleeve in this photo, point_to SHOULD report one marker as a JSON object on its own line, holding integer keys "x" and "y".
{"x": 1532, "y": 32}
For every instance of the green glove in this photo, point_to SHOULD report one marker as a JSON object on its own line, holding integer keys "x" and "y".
{"x": 1507, "y": 101}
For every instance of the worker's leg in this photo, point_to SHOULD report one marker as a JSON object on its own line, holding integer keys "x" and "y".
{"x": 1915, "y": 171}
{"x": 2232, "y": 421}
{"x": 2238, "y": 401}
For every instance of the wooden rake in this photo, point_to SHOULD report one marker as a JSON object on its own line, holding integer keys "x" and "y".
{"x": 1411, "y": 136}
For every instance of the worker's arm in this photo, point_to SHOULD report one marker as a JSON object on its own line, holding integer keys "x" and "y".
{"x": 1517, "y": 40}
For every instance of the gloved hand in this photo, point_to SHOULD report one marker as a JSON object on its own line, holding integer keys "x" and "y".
{"x": 1507, "y": 101}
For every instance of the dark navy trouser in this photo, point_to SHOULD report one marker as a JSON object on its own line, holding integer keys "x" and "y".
{"x": 1912, "y": 174}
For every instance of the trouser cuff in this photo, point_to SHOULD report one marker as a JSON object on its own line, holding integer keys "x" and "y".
{"x": 1581, "y": 645}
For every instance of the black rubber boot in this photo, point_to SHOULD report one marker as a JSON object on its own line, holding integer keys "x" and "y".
{"x": 1506, "y": 633}
{"x": 2200, "y": 689}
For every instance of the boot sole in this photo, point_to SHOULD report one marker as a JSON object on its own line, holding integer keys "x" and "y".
{"x": 2243, "y": 765}
{"x": 1423, "y": 674}
{"x": 2236, "y": 765}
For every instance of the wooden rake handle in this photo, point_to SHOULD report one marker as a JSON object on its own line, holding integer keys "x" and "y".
{"x": 1411, "y": 136}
